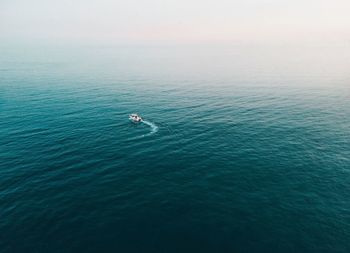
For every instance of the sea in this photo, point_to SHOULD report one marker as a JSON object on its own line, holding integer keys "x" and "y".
{"x": 242, "y": 148}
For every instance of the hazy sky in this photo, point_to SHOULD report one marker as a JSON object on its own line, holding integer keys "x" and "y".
{"x": 174, "y": 21}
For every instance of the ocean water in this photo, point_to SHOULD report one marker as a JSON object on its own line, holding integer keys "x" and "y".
{"x": 243, "y": 149}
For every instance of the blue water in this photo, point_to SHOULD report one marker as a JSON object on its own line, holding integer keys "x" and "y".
{"x": 240, "y": 151}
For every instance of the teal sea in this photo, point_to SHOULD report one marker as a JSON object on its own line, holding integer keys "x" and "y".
{"x": 243, "y": 149}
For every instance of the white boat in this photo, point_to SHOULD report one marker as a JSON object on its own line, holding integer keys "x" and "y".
{"x": 135, "y": 118}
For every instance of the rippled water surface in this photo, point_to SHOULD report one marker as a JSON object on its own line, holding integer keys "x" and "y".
{"x": 239, "y": 151}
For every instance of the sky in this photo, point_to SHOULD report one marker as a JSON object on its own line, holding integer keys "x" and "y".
{"x": 174, "y": 21}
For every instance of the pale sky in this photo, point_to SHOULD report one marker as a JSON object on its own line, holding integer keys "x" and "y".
{"x": 174, "y": 21}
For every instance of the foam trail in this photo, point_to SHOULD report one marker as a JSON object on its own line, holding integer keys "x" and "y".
{"x": 154, "y": 127}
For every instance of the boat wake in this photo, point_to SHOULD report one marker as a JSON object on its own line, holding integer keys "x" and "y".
{"x": 154, "y": 127}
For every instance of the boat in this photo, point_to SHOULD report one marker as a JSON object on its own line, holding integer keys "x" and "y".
{"x": 135, "y": 118}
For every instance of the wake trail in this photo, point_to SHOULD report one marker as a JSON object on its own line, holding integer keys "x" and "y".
{"x": 154, "y": 127}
